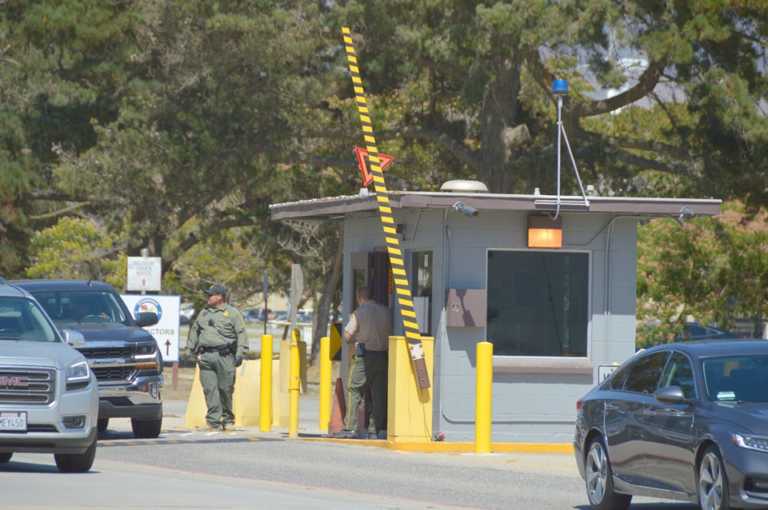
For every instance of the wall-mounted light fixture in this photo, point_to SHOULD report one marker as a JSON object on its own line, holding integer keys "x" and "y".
{"x": 545, "y": 231}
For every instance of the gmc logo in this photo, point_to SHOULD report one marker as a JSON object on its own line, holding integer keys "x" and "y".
{"x": 13, "y": 381}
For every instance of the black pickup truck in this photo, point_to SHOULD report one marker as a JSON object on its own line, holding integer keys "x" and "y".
{"x": 125, "y": 358}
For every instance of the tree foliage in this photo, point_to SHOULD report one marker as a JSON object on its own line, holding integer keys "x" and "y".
{"x": 76, "y": 248}
{"x": 173, "y": 124}
{"x": 712, "y": 269}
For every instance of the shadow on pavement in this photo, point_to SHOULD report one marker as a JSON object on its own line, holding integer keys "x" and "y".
{"x": 652, "y": 506}
{"x": 29, "y": 467}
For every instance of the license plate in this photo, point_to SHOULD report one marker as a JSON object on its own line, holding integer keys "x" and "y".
{"x": 13, "y": 422}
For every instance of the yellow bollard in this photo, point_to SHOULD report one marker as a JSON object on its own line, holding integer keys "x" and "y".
{"x": 265, "y": 389}
{"x": 325, "y": 384}
{"x": 483, "y": 397}
{"x": 294, "y": 386}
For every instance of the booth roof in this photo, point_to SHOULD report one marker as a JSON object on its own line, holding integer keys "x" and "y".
{"x": 321, "y": 208}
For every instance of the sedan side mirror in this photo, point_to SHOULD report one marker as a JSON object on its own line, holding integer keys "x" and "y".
{"x": 145, "y": 319}
{"x": 671, "y": 395}
{"x": 73, "y": 338}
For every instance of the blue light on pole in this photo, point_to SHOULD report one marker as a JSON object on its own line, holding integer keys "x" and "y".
{"x": 560, "y": 87}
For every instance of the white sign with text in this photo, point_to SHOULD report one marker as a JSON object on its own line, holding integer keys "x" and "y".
{"x": 166, "y": 331}
{"x": 144, "y": 274}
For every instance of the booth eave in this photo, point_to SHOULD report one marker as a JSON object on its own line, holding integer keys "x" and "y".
{"x": 324, "y": 208}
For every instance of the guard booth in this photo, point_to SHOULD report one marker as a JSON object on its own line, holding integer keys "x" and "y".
{"x": 555, "y": 296}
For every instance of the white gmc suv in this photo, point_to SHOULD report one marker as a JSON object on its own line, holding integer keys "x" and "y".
{"x": 49, "y": 401}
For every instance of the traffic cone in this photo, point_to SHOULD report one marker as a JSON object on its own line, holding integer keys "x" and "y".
{"x": 339, "y": 410}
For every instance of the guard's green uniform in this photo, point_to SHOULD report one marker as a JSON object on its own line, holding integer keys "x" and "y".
{"x": 218, "y": 336}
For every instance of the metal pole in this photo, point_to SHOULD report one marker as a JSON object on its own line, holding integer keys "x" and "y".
{"x": 575, "y": 168}
{"x": 175, "y": 376}
{"x": 483, "y": 397}
{"x": 265, "y": 389}
{"x": 325, "y": 384}
{"x": 294, "y": 385}
{"x": 559, "y": 150}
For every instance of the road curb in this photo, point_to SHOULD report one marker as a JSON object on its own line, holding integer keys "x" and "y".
{"x": 451, "y": 447}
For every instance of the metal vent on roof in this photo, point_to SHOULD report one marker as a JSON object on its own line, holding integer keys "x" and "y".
{"x": 463, "y": 186}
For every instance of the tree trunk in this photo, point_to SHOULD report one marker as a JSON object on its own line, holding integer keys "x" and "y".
{"x": 498, "y": 116}
{"x": 327, "y": 297}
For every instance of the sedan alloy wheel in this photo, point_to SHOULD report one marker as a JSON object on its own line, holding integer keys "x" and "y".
{"x": 713, "y": 484}
{"x": 597, "y": 473}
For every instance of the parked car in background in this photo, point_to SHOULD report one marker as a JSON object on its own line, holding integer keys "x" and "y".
{"x": 254, "y": 315}
{"x": 304, "y": 316}
{"x": 124, "y": 357}
{"x": 686, "y": 421}
{"x": 49, "y": 401}
{"x": 696, "y": 331}
{"x": 186, "y": 313}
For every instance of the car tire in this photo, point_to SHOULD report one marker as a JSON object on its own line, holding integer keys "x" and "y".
{"x": 712, "y": 481}
{"x": 5, "y": 457}
{"x": 76, "y": 463}
{"x": 598, "y": 478}
{"x": 146, "y": 429}
{"x": 102, "y": 425}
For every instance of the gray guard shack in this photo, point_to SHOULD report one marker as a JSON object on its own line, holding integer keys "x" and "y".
{"x": 559, "y": 319}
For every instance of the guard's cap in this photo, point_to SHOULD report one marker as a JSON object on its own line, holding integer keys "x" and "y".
{"x": 216, "y": 288}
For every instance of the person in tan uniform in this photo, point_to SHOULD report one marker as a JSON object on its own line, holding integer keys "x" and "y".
{"x": 368, "y": 333}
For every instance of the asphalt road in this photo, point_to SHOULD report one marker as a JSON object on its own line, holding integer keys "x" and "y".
{"x": 238, "y": 470}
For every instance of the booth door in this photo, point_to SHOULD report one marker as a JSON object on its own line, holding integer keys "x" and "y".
{"x": 379, "y": 277}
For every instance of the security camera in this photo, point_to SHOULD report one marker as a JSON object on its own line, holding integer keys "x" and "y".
{"x": 464, "y": 209}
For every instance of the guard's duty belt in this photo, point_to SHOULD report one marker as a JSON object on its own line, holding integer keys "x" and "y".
{"x": 222, "y": 349}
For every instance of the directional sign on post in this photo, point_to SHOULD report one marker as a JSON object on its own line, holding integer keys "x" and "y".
{"x": 166, "y": 331}
{"x": 144, "y": 274}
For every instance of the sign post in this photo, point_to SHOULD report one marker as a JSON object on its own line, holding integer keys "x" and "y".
{"x": 265, "y": 290}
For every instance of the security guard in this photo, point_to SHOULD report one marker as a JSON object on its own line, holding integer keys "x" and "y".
{"x": 368, "y": 330}
{"x": 219, "y": 341}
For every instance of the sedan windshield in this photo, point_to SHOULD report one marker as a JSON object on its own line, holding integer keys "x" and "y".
{"x": 22, "y": 320}
{"x": 82, "y": 306}
{"x": 737, "y": 378}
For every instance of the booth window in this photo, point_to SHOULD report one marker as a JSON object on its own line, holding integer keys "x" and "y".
{"x": 538, "y": 303}
{"x": 421, "y": 269}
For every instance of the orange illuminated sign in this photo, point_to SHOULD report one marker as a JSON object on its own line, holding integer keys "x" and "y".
{"x": 544, "y": 232}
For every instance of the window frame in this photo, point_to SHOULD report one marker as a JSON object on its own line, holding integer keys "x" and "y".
{"x": 696, "y": 393}
{"x": 412, "y": 271}
{"x": 590, "y": 287}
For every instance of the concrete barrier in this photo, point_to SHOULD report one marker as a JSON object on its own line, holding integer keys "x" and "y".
{"x": 245, "y": 400}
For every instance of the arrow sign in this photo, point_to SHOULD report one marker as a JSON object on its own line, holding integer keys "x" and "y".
{"x": 362, "y": 164}
{"x": 167, "y": 347}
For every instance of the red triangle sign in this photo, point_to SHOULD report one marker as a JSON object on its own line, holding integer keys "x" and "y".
{"x": 361, "y": 155}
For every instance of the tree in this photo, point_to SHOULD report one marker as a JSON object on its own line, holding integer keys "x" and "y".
{"x": 713, "y": 269}
{"x": 469, "y": 82}
{"x": 76, "y": 248}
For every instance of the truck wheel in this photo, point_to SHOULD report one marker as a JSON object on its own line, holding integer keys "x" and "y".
{"x": 5, "y": 457}
{"x": 146, "y": 429}
{"x": 102, "y": 425}
{"x": 76, "y": 463}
